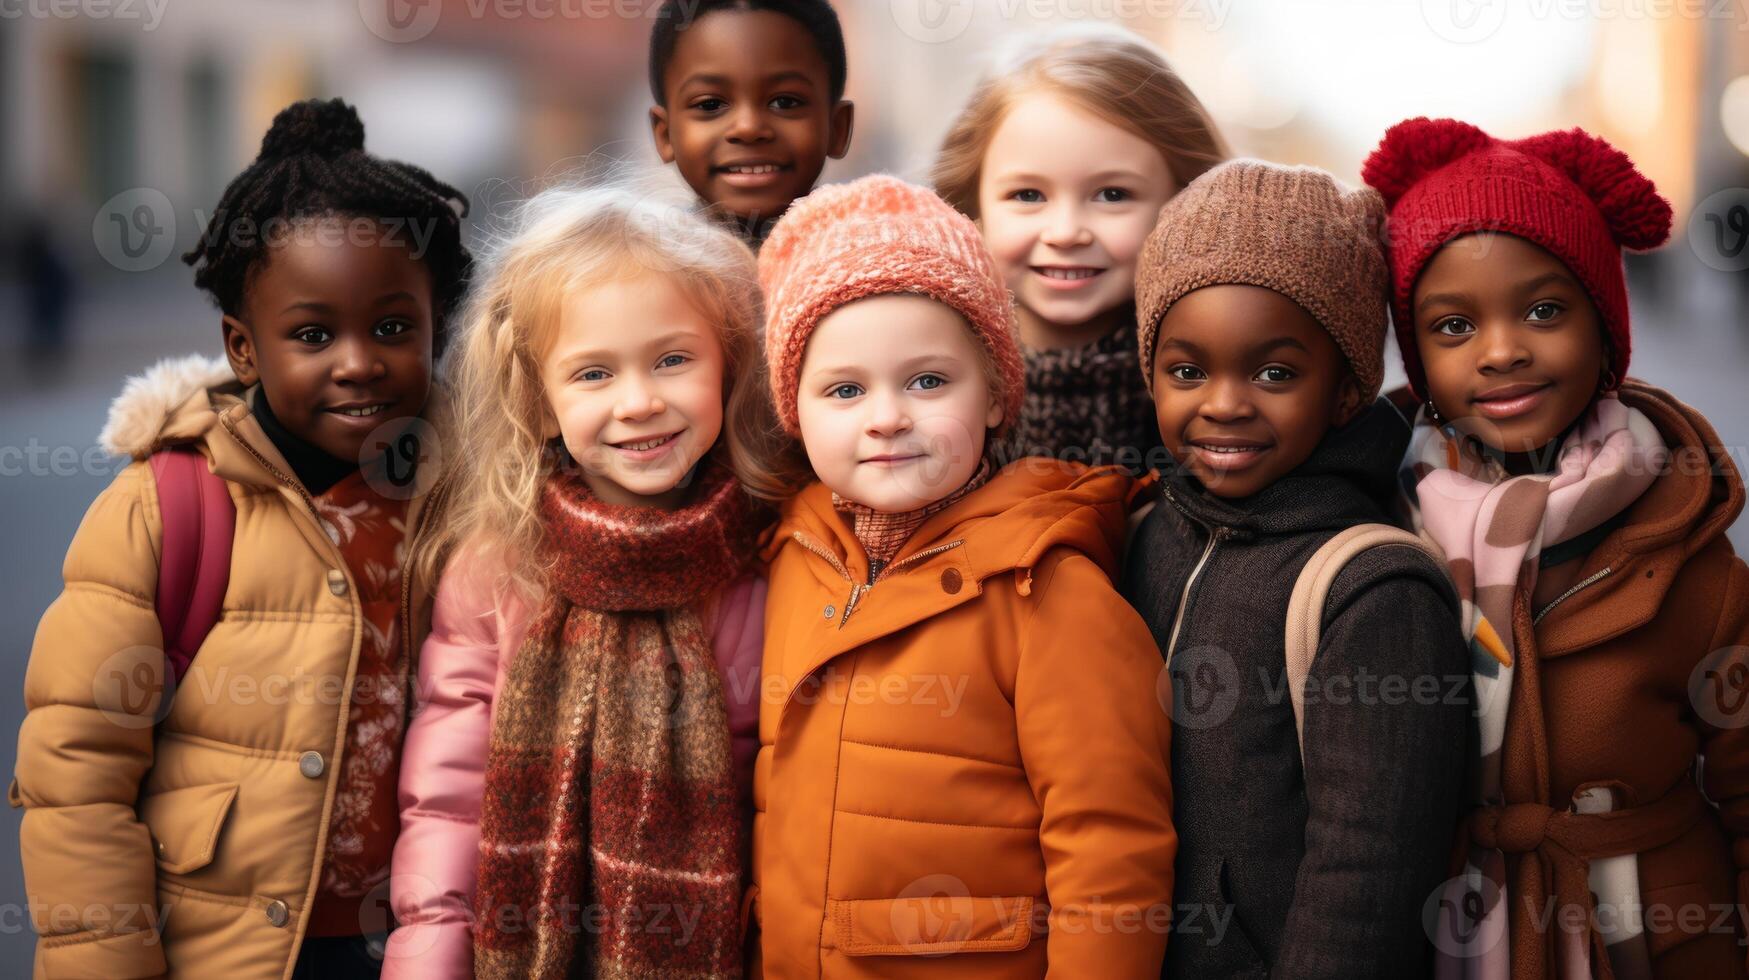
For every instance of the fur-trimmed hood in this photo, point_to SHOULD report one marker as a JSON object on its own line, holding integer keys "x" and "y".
{"x": 157, "y": 407}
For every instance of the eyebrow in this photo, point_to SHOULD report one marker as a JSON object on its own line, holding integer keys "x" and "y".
{"x": 787, "y": 75}
{"x": 669, "y": 339}
{"x": 316, "y": 306}
{"x": 936, "y": 361}
{"x": 1274, "y": 343}
{"x": 1115, "y": 173}
{"x": 1528, "y": 286}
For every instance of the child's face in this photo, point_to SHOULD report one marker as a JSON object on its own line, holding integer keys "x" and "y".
{"x": 1510, "y": 341}
{"x": 336, "y": 326}
{"x": 1066, "y": 200}
{"x": 894, "y": 403}
{"x": 1246, "y": 383}
{"x": 634, "y": 384}
{"x": 748, "y": 114}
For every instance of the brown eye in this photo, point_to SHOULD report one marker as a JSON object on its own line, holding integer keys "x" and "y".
{"x": 1544, "y": 312}
{"x": 1454, "y": 326}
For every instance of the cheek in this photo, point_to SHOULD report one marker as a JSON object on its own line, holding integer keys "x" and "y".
{"x": 1009, "y": 238}
{"x": 1122, "y": 236}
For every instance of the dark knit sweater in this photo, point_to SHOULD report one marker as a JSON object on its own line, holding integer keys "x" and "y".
{"x": 1320, "y": 870}
{"x": 1089, "y": 404}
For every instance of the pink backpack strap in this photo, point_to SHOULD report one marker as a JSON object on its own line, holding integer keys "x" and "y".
{"x": 199, "y": 523}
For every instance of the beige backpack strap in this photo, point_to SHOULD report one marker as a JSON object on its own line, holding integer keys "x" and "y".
{"x": 1305, "y": 608}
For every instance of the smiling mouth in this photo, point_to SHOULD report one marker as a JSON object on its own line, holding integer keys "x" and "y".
{"x": 750, "y": 169}
{"x": 360, "y": 412}
{"x": 1067, "y": 273}
{"x": 645, "y": 445}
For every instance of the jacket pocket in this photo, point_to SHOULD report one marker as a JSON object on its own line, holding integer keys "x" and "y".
{"x": 1242, "y": 945}
{"x": 930, "y": 925}
{"x": 185, "y": 824}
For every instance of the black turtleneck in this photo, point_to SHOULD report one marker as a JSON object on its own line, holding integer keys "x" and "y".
{"x": 314, "y": 468}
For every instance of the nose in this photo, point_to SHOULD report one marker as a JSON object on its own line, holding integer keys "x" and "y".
{"x": 1227, "y": 401}
{"x": 1502, "y": 349}
{"x": 637, "y": 400}
{"x": 887, "y": 416}
{"x": 357, "y": 361}
{"x": 1066, "y": 226}
{"x": 749, "y": 125}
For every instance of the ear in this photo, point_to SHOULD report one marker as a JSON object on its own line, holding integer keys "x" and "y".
{"x": 659, "y": 131}
{"x": 1349, "y": 402}
{"x": 993, "y": 415}
{"x": 240, "y": 350}
{"x": 843, "y": 121}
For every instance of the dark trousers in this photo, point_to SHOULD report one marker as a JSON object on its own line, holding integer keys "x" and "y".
{"x": 340, "y": 958}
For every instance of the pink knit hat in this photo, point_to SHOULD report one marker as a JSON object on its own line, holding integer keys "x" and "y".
{"x": 873, "y": 236}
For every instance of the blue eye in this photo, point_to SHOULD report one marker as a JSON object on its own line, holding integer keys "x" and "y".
{"x": 592, "y": 374}
{"x": 845, "y": 391}
{"x": 673, "y": 360}
{"x": 1028, "y": 196}
{"x": 929, "y": 382}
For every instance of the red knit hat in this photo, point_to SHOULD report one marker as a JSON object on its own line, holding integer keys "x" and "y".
{"x": 1569, "y": 192}
{"x": 869, "y": 237}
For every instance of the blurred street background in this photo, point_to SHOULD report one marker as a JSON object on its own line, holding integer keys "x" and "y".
{"x": 122, "y": 120}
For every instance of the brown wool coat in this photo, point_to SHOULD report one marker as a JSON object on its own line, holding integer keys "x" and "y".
{"x": 191, "y": 847}
{"x": 1616, "y": 671}
{"x": 976, "y": 740}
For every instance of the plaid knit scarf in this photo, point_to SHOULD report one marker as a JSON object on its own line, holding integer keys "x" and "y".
{"x": 882, "y": 534}
{"x": 1493, "y": 528}
{"x": 610, "y": 838}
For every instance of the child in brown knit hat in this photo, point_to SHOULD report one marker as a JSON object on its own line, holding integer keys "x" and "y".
{"x": 944, "y": 649}
{"x": 1261, "y": 299}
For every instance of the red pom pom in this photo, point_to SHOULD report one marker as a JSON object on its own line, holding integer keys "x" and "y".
{"x": 1637, "y": 216}
{"x": 1414, "y": 148}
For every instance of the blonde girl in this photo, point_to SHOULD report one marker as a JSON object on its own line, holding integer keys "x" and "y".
{"x": 577, "y": 778}
{"x": 1064, "y": 156}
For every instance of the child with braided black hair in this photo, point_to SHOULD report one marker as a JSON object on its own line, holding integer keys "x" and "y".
{"x": 217, "y": 698}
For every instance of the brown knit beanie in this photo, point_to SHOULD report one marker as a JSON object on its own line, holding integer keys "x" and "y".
{"x": 1295, "y": 230}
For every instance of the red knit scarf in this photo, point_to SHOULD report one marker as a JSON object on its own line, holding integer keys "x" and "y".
{"x": 610, "y": 839}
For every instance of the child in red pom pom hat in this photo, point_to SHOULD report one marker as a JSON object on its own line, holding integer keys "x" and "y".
{"x": 1583, "y": 518}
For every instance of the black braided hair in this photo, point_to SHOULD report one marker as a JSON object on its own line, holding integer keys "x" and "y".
{"x": 313, "y": 164}
{"x": 817, "y": 16}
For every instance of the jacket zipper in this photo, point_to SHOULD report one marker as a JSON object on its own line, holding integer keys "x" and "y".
{"x": 1216, "y": 536}
{"x": 1570, "y": 593}
{"x": 858, "y": 590}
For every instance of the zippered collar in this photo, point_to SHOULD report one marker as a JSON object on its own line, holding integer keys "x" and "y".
{"x": 1028, "y": 508}
{"x": 1349, "y": 479}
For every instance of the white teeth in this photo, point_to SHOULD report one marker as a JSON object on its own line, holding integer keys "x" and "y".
{"x": 1229, "y": 449}
{"x": 641, "y": 446}
{"x": 764, "y": 168}
{"x": 1070, "y": 273}
{"x": 361, "y": 412}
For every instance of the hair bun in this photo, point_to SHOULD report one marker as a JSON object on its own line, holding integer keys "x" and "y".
{"x": 1414, "y": 148}
{"x": 1637, "y": 216}
{"x": 316, "y": 127}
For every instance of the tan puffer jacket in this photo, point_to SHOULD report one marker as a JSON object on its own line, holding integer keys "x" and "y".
{"x": 190, "y": 847}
